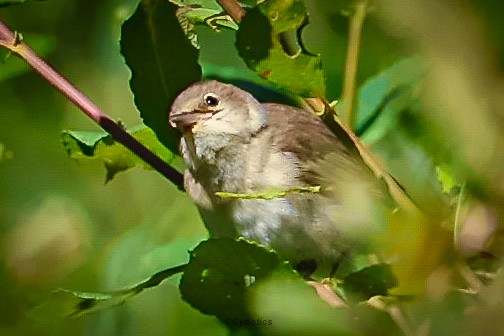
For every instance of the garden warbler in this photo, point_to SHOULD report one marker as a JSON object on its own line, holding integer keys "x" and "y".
{"x": 276, "y": 175}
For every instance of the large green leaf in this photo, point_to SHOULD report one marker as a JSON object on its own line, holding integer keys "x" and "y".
{"x": 3, "y": 151}
{"x": 82, "y": 145}
{"x": 262, "y": 37}
{"x": 221, "y": 272}
{"x": 5, "y": 3}
{"x": 162, "y": 62}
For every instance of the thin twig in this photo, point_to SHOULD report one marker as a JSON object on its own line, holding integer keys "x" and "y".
{"x": 352, "y": 60}
{"x": 11, "y": 41}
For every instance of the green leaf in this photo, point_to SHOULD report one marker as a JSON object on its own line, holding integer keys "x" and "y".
{"x": 368, "y": 282}
{"x": 65, "y": 303}
{"x": 203, "y": 12}
{"x": 211, "y": 17}
{"x": 162, "y": 61}
{"x": 270, "y": 193}
{"x": 5, "y": 154}
{"x": 383, "y": 97}
{"x": 261, "y": 39}
{"x": 210, "y": 4}
{"x": 206, "y": 12}
{"x": 11, "y": 66}
{"x": 447, "y": 179}
{"x": 250, "y": 3}
{"x": 294, "y": 308}
{"x": 82, "y": 145}
{"x": 221, "y": 272}
{"x": 5, "y": 3}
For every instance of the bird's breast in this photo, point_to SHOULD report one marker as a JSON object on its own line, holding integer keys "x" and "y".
{"x": 219, "y": 162}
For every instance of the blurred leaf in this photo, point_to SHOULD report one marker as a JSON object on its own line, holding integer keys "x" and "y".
{"x": 371, "y": 321}
{"x": 448, "y": 181}
{"x": 11, "y": 66}
{"x": 368, "y": 282}
{"x": 5, "y": 3}
{"x": 220, "y": 272}
{"x": 383, "y": 97}
{"x": 353, "y": 264}
{"x": 162, "y": 62}
{"x": 4, "y": 153}
{"x": 65, "y": 303}
{"x": 294, "y": 308}
{"x": 83, "y": 145}
{"x": 416, "y": 246}
{"x": 261, "y": 40}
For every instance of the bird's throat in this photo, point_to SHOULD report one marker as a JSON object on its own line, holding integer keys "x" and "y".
{"x": 220, "y": 161}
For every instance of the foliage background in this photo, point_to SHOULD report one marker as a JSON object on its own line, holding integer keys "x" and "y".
{"x": 60, "y": 226}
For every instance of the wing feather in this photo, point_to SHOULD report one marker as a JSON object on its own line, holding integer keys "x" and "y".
{"x": 306, "y": 136}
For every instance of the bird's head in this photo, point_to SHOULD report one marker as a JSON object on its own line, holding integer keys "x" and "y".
{"x": 214, "y": 107}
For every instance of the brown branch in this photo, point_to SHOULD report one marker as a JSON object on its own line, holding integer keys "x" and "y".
{"x": 12, "y": 42}
{"x": 352, "y": 61}
{"x": 233, "y": 8}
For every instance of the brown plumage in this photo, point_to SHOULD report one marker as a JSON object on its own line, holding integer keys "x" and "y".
{"x": 232, "y": 143}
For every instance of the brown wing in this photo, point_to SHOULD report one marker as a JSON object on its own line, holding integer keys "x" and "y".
{"x": 305, "y": 135}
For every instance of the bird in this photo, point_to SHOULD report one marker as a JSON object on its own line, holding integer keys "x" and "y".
{"x": 328, "y": 203}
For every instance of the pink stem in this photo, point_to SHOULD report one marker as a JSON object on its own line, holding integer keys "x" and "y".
{"x": 11, "y": 41}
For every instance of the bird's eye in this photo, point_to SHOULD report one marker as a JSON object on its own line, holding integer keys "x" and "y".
{"x": 211, "y": 100}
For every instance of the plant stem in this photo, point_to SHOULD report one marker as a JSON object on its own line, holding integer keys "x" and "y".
{"x": 352, "y": 60}
{"x": 233, "y": 8}
{"x": 12, "y": 42}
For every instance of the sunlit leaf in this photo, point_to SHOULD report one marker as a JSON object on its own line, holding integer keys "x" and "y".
{"x": 210, "y": 4}
{"x": 203, "y": 12}
{"x": 447, "y": 180}
{"x": 162, "y": 62}
{"x": 262, "y": 41}
{"x": 270, "y": 193}
{"x": 416, "y": 246}
{"x": 82, "y": 145}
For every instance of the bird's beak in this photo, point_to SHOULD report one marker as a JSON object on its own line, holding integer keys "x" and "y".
{"x": 186, "y": 120}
